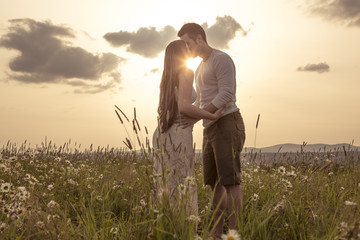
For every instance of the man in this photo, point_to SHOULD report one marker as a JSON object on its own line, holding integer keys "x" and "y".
{"x": 224, "y": 138}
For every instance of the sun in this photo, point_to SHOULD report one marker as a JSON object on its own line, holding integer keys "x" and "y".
{"x": 193, "y": 63}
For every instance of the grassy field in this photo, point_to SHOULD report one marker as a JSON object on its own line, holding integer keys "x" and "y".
{"x": 61, "y": 193}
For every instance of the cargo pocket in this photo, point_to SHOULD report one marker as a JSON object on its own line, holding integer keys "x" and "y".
{"x": 239, "y": 132}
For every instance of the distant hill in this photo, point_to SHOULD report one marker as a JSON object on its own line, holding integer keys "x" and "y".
{"x": 290, "y": 147}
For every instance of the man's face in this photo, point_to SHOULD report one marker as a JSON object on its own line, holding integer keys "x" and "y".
{"x": 192, "y": 45}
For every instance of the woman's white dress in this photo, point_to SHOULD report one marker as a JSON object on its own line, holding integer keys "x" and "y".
{"x": 174, "y": 167}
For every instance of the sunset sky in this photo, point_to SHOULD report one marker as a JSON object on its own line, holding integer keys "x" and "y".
{"x": 65, "y": 64}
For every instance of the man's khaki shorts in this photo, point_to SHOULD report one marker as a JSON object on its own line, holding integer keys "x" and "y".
{"x": 222, "y": 144}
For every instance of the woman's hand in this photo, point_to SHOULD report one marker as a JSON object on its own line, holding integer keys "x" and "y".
{"x": 219, "y": 113}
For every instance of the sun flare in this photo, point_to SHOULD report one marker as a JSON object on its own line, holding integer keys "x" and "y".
{"x": 193, "y": 63}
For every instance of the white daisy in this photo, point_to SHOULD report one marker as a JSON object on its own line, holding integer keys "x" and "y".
{"x": 232, "y": 235}
{"x": 5, "y": 187}
{"x": 255, "y": 197}
{"x": 349, "y": 203}
{"x": 193, "y": 218}
{"x": 282, "y": 170}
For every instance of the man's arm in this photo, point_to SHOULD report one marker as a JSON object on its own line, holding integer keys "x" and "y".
{"x": 186, "y": 121}
{"x": 210, "y": 108}
{"x": 225, "y": 73}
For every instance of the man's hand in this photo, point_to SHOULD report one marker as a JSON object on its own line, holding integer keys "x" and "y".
{"x": 185, "y": 121}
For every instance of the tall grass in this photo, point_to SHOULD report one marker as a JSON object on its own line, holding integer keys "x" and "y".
{"x": 62, "y": 192}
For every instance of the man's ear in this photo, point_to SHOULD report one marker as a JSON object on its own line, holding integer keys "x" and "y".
{"x": 199, "y": 39}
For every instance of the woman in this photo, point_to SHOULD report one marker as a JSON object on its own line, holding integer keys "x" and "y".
{"x": 174, "y": 164}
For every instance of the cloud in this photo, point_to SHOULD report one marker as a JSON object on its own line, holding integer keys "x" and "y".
{"x": 149, "y": 42}
{"x": 223, "y": 31}
{"x": 346, "y": 12}
{"x": 319, "y": 68}
{"x": 155, "y": 70}
{"x": 46, "y": 56}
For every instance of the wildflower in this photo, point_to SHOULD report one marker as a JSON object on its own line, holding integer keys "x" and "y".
{"x": 232, "y": 235}
{"x": 40, "y": 224}
{"x": 20, "y": 211}
{"x": 182, "y": 188}
{"x": 150, "y": 235}
{"x": 255, "y": 197}
{"x": 3, "y": 168}
{"x": 52, "y": 204}
{"x": 11, "y": 193}
{"x": 5, "y": 210}
{"x": 22, "y": 194}
{"x": 246, "y": 175}
{"x": 193, "y": 218}
{"x": 287, "y": 184}
{"x": 137, "y": 209}
{"x": 280, "y": 206}
{"x": 114, "y": 230}
{"x": 72, "y": 182}
{"x": 343, "y": 226}
{"x": 291, "y": 174}
{"x": 281, "y": 170}
{"x": 27, "y": 176}
{"x": 50, "y": 187}
{"x": 197, "y": 237}
{"x": 52, "y": 217}
{"x": 349, "y": 203}
{"x": 2, "y": 226}
{"x": 5, "y": 187}
{"x": 190, "y": 180}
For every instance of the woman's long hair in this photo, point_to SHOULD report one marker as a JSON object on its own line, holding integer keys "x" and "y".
{"x": 176, "y": 54}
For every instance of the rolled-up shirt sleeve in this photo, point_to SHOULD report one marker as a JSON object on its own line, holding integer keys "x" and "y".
{"x": 225, "y": 73}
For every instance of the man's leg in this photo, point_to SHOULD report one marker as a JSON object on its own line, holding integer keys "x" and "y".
{"x": 228, "y": 144}
{"x": 234, "y": 202}
{"x": 219, "y": 205}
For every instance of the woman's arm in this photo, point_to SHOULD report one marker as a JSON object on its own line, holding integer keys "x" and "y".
{"x": 184, "y": 99}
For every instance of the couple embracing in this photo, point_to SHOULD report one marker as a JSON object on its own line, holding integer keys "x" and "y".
{"x": 180, "y": 107}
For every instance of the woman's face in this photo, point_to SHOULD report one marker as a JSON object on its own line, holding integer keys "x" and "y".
{"x": 185, "y": 54}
